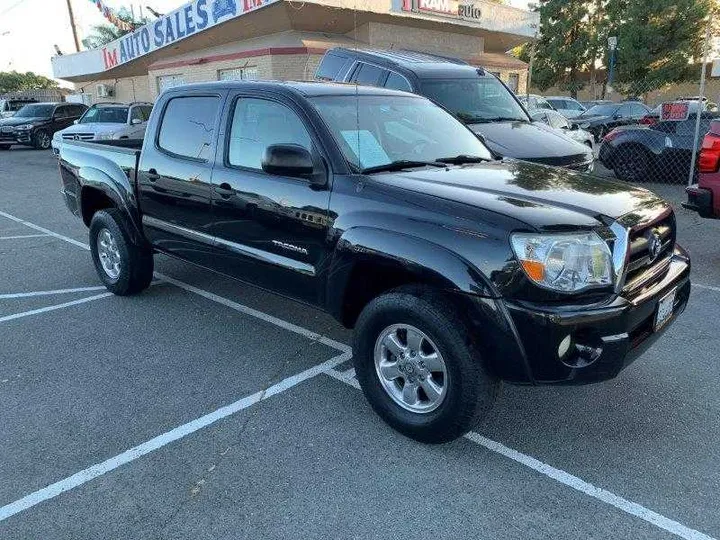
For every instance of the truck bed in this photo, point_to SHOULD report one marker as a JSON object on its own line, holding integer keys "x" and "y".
{"x": 82, "y": 163}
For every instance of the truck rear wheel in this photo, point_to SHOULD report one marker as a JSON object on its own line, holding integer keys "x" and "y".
{"x": 417, "y": 367}
{"x": 123, "y": 267}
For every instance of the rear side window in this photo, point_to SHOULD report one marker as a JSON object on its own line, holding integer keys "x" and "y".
{"x": 188, "y": 126}
{"x": 397, "y": 82}
{"x": 330, "y": 67}
{"x": 367, "y": 74}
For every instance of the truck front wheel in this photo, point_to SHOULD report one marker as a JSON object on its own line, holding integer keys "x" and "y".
{"x": 123, "y": 267}
{"x": 417, "y": 367}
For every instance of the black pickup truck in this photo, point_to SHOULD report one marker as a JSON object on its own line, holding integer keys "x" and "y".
{"x": 456, "y": 270}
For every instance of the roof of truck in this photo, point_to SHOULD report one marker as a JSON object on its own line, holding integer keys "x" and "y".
{"x": 304, "y": 88}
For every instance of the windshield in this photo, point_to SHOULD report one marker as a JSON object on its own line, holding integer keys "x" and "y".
{"x": 105, "y": 115}
{"x": 483, "y": 99}
{"x": 35, "y": 111}
{"x": 606, "y": 109}
{"x": 378, "y": 130}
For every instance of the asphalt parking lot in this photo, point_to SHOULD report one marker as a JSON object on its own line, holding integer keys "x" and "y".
{"x": 205, "y": 408}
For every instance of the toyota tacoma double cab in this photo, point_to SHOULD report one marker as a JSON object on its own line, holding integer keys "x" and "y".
{"x": 455, "y": 270}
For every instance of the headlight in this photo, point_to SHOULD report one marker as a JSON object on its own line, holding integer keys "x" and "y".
{"x": 105, "y": 136}
{"x": 585, "y": 125}
{"x": 564, "y": 262}
{"x": 24, "y": 127}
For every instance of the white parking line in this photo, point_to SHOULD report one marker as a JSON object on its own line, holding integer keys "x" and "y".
{"x": 568, "y": 479}
{"x": 44, "y": 230}
{"x": 50, "y": 293}
{"x": 20, "y": 236}
{"x": 53, "y": 308}
{"x": 99, "y": 469}
{"x": 707, "y": 287}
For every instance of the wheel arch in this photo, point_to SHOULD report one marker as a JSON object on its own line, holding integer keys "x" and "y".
{"x": 369, "y": 261}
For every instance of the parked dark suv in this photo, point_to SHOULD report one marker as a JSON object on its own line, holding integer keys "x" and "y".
{"x": 473, "y": 95}
{"x": 35, "y": 124}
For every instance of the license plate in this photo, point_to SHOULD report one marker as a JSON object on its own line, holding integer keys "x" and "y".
{"x": 665, "y": 309}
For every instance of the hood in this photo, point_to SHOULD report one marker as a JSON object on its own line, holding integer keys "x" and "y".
{"x": 594, "y": 119}
{"x": 95, "y": 128}
{"x": 15, "y": 121}
{"x": 546, "y": 198}
{"x": 525, "y": 140}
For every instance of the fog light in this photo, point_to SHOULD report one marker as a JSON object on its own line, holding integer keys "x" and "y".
{"x": 564, "y": 346}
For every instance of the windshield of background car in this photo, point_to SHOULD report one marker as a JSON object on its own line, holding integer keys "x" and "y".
{"x": 477, "y": 100}
{"x": 377, "y": 130}
{"x": 35, "y": 111}
{"x": 105, "y": 115}
{"x": 601, "y": 110}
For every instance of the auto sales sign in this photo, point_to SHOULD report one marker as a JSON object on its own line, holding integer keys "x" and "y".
{"x": 185, "y": 21}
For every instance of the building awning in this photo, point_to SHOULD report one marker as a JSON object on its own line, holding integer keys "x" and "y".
{"x": 203, "y": 24}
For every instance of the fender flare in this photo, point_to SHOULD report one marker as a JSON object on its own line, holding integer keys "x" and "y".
{"x": 115, "y": 187}
{"x": 430, "y": 262}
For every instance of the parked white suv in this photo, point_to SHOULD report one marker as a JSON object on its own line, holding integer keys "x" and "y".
{"x": 107, "y": 121}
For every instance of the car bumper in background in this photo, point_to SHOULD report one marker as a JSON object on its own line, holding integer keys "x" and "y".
{"x": 603, "y": 339}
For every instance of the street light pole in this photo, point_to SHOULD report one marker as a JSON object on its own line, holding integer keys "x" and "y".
{"x": 612, "y": 43}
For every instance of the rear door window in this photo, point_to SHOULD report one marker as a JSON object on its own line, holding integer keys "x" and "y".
{"x": 330, "y": 67}
{"x": 367, "y": 74}
{"x": 188, "y": 126}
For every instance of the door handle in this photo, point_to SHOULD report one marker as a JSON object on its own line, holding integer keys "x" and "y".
{"x": 152, "y": 175}
{"x": 225, "y": 190}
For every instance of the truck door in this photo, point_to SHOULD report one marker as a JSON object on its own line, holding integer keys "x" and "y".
{"x": 271, "y": 229}
{"x": 174, "y": 175}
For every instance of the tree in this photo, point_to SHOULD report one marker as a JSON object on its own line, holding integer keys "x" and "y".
{"x": 102, "y": 34}
{"x": 562, "y": 50}
{"x": 656, "y": 42}
{"x": 12, "y": 81}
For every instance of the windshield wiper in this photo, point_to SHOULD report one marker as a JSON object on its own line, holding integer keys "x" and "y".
{"x": 462, "y": 158}
{"x": 497, "y": 119}
{"x": 401, "y": 164}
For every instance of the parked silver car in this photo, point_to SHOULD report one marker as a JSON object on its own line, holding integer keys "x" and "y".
{"x": 558, "y": 121}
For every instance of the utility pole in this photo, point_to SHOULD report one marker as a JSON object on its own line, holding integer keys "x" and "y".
{"x": 532, "y": 62}
{"x": 72, "y": 25}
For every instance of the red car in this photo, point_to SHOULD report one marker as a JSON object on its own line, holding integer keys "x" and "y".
{"x": 704, "y": 197}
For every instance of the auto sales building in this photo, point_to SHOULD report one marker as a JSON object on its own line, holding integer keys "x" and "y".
{"x": 207, "y": 40}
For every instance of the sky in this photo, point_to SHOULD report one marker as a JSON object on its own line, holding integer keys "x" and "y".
{"x": 29, "y": 29}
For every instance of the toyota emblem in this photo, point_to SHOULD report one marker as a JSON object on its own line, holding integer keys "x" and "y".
{"x": 654, "y": 245}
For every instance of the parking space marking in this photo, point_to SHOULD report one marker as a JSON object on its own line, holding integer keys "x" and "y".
{"x": 21, "y": 236}
{"x": 53, "y": 308}
{"x": 567, "y": 479}
{"x": 707, "y": 287}
{"x": 43, "y": 230}
{"x": 99, "y": 469}
{"x": 50, "y": 293}
{"x": 257, "y": 314}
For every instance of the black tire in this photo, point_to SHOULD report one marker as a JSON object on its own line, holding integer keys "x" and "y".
{"x": 135, "y": 262}
{"x": 471, "y": 391}
{"x": 42, "y": 140}
{"x": 631, "y": 164}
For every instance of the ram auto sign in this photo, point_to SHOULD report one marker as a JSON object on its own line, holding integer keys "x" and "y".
{"x": 179, "y": 24}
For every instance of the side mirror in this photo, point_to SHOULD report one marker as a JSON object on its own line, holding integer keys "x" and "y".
{"x": 76, "y": 121}
{"x": 287, "y": 160}
{"x": 136, "y": 121}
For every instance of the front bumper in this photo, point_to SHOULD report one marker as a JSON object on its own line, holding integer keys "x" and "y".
{"x": 700, "y": 200}
{"x": 7, "y": 137}
{"x": 605, "y": 338}
{"x": 24, "y": 136}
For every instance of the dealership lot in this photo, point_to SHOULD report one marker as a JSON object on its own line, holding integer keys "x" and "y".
{"x": 205, "y": 408}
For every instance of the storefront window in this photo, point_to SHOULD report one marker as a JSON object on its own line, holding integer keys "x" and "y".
{"x": 238, "y": 74}
{"x": 513, "y": 82}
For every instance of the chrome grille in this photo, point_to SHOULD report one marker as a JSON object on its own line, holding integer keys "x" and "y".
{"x": 78, "y": 136}
{"x": 649, "y": 250}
